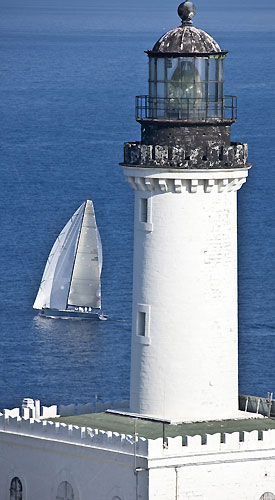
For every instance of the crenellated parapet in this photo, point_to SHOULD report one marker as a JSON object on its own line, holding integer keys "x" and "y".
{"x": 54, "y": 411}
{"x": 210, "y": 156}
{"x": 214, "y": 443}
{"x": 186, "y": 446}
{"x": 58, "y": 431}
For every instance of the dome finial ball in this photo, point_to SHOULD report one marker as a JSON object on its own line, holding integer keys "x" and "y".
{"x": 186, "y": 11}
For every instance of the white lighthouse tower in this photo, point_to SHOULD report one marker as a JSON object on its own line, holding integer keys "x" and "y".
{"x": 186, "y": 173}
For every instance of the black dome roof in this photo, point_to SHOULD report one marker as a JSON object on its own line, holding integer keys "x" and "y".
{"x": 186, "y": 40}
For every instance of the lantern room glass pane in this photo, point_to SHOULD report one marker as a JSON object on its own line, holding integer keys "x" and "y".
{"x": 171, "y": 64}
{"x": 212, "y": 91}
{"x": 161, "y": 69}
{"x": 202, "y": 68}
{"x": 152, "y": 77}
{"x": 151, "y": 69}
{"x": 213, "y": 70}
{"x": 161, "y": 90}
{"x": 221, "y": 66}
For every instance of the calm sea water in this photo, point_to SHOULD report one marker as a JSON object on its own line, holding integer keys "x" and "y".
{"x": 69, "y": 73}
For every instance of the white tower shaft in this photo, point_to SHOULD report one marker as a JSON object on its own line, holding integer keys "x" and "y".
{"x": 185, "y": 320}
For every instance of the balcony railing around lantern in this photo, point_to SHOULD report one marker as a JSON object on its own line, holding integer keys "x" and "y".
{"x": 187, "y": 109}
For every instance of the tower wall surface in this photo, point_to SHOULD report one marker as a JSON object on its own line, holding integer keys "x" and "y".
{"x": 184, "y": 331}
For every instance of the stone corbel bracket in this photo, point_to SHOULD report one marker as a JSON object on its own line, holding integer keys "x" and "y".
{"x": 191, "y": 182}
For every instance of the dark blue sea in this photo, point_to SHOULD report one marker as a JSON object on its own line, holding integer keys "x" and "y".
{"x": 69, "y": 72}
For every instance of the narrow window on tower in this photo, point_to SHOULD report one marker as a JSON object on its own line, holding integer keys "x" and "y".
{"x": 145, "y": 213}
{"x": 143, "y": 209}
{"x": 143, "y": 324}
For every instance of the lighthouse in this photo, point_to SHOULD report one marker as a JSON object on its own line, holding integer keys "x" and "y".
{"x": 186, "y": 173}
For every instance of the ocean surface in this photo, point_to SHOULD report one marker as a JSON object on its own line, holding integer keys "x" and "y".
{"x": 69, "y": 73}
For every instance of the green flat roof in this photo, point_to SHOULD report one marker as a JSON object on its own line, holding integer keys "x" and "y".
{"x": 154, "y": 430}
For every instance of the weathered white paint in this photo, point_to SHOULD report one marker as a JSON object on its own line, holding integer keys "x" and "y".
{"x": 15, "y": 412}
{"x": 185, "y": 273}
{"x": 49, "y": 412}
{"x": 42, "y": 465}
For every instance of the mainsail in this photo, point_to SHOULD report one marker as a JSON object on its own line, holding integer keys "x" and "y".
{"x": 72, "y": 272}
{"x": 85, "y": 289}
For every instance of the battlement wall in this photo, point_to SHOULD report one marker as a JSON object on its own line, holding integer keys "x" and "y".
{"x": 36, "y": 411}
{"x": 85, "y": 436}
{"x": 178, "y": 446}
{"x": 214, "y": 443}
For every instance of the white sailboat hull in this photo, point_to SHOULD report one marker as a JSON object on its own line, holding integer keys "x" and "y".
{"x": 71, "y": 314}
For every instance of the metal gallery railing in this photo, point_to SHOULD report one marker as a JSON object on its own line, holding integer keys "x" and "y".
{"x": 187, "y": 109}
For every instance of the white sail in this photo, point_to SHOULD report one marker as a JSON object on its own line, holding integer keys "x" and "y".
{"x": 85, "y": 289}
{"x": 54, "y": 288}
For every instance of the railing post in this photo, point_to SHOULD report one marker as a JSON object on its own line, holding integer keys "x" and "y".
{"x": 180, "y": 109}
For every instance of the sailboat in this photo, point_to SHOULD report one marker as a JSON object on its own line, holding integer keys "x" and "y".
{"x": 70, "y": 285}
